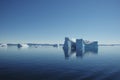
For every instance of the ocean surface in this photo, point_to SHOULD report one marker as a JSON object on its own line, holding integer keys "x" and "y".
{"x": 53, "y": 63}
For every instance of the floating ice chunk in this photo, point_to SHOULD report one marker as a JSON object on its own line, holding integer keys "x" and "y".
{"x": 23, "y": 45}
{"x": 79, "y": 44}
{"x": 55, "y": 45}
{"x": 69, "y": 44}
{"x": 3, "y": 45}
{"x": 91, "y": 45}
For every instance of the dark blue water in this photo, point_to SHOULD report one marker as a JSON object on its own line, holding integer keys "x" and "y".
{"x": 50, "y": 63}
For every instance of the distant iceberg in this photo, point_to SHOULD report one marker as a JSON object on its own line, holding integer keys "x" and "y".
{"x": 55, "y": 45}
{"x": 23, "y": 45}
{"x": 3, "y": 45}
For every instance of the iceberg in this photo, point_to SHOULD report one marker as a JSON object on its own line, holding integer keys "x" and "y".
{"x": 55, "y": 45}
{"x": 79, "y": 45}
{"x": 3, "y": 45}
{"x": 69, "y": 44}
{"x": 23, "y": 45}
{"x": 89, "y": 45}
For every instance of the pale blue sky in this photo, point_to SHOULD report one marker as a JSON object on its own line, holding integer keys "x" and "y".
{"x": 44, "y": 21}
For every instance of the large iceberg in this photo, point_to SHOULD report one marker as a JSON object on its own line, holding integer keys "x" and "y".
{"x": 79, "y": 45}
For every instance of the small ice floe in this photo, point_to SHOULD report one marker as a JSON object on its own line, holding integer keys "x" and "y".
{"x": 55, "y": 45}
{"x": 22, "y": 45}
{"x": 3, "y": 45}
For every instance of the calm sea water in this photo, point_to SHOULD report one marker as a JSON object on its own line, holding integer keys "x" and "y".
{"x": 51, "y": 63}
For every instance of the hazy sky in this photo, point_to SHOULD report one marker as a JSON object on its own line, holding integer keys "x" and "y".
{"x": 46, "y": 21}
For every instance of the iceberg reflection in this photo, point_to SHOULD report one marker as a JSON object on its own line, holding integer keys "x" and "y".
{"x": 79, "y": 53}
{"x": 68, "y": 52}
